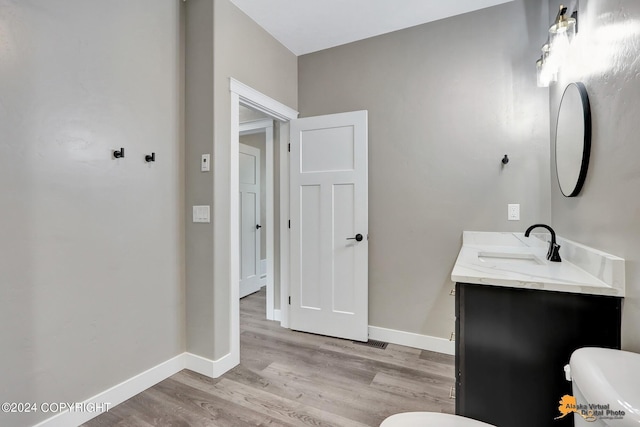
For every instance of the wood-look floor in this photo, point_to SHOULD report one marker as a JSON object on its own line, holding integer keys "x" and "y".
{"x": 288, "y": 378}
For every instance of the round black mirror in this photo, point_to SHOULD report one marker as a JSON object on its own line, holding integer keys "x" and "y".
{"x": 573, "y": 139}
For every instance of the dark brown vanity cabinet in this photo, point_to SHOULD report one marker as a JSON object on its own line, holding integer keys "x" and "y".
{"x": 512, "y": 345}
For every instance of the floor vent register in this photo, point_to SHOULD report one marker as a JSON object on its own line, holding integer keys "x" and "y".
{"x": 373, "y": 343}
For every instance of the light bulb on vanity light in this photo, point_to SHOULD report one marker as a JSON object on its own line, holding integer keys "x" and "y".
{"x": 546, "y": 68}
{"x": 559, "y": 50}
{"x": 542, "y": 77}
{"x": 563, "y": 26}
{"x": 561, "y": 33}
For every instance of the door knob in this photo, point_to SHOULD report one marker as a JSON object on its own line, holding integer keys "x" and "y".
{"x": 358, "y": 238}
{"x": 258, "y": 226}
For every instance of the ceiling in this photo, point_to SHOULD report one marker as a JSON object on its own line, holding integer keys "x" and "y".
{"x": 306, "y": 26}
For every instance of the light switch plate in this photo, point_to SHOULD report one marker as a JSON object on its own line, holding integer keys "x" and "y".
{"x": 205, "y": 163}
{"x": 201, "y": 214}
{"x": 513, "y": 212}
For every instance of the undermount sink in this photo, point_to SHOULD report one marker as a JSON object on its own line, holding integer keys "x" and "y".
{"x": 509, "y": 258}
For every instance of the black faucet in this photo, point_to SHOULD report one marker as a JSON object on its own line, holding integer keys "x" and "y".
{"x": 553, "y": 254}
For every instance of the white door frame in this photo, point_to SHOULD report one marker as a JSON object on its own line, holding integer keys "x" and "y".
{"x": 247, "y": 96}
{"x": 266, "y": 126}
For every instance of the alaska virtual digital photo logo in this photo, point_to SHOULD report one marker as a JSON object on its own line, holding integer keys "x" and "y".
{"x": 590, "y": 412}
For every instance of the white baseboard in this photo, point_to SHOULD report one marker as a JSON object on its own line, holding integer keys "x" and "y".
{"x": 199, "y": 364}
{"x": 409, "y": 339}
{"x": 208, "y": 367}
{"x": 117, "y": 394}
{"x": 277, "y": 315}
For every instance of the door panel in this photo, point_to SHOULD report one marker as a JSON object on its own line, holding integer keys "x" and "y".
{"x": 310, "y": 249}
{"x": 325, "y": 150}
{"x": 248, "y": 266}
{"x": 344, "y": 278}
{"x": 329, "y": 207}
{"x": 249, "y": 170}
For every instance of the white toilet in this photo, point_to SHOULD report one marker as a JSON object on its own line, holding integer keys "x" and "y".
{"x": 602, "y": 376}
{"x": 427, "y": 419}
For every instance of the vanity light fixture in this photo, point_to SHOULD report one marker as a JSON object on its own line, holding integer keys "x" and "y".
{"x": 546, "y": 67}
{"x": 563, "y": 28}
{"x": 561, "y": 34}
{"x": 541, "y": 76}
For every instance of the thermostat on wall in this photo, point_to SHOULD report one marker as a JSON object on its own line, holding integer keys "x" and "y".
{"x": 205, "y": 163}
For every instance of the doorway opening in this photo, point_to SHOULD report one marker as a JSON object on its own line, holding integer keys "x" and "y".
{"x": 276, "y": 248}
{"x": 256, "y": 180}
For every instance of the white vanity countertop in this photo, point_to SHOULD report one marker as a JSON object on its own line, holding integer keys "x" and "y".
{"x": 512, "y": 260}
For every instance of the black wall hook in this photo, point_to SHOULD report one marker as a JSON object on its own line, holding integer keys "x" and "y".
{"x": 117, "y": 154}
{"x": 505, "y": 159}
{"x": 150, "y": 158}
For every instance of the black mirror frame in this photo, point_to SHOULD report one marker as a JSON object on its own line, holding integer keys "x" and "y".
{"x": 586, "y": 147}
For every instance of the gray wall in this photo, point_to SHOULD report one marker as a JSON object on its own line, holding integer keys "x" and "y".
{"x": 605, "y": 215}
{"x": 244, "y": 51}
{"x": 199, "y": 185}
{"x": 446, "y": 101}
{"x": 91, "y": 254}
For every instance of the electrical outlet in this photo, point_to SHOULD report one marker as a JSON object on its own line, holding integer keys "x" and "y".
{"x": 202, "y": 213}
{"x": 513, "y": 212}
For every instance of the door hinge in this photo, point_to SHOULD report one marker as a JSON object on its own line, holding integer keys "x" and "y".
{"x": 289, "y": 300}
{"x": 289, "y": 147}
{"x": 289, "y": 223}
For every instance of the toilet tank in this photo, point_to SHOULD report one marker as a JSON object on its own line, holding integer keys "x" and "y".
{"x": 607, "y": 383}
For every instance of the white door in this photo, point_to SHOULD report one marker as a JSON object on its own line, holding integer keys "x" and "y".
{"x": 329, "y": 225}
{"x": 249, "y": 220}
